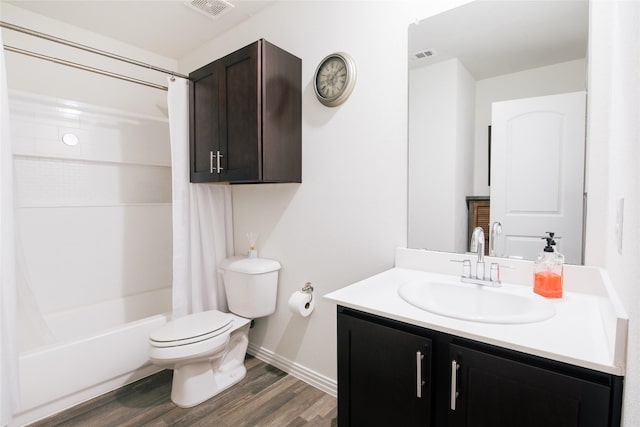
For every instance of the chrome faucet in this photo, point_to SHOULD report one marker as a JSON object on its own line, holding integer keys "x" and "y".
{"x": 496, "y": 230}
{"x": 477, "y": 245}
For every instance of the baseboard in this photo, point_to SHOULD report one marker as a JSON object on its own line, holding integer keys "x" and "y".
{"x": 303, "y": 373}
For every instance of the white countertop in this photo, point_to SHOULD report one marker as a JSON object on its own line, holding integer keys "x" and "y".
{"x": 588, "y": 330}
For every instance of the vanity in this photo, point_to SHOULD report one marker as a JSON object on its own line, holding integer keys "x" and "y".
{"x": 492, "y": 357}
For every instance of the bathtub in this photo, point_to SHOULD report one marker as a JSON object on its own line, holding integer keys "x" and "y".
{"x": 98, "y": 348}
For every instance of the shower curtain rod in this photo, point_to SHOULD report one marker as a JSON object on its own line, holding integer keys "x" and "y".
{"x": 69, "y": 43}
{"x": 83, "y": 67}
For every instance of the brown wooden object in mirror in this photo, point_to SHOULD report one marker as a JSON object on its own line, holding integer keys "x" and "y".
{"x": 479, "y": 215}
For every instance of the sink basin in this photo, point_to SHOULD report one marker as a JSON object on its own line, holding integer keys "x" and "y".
{"x": 478, "y": 303}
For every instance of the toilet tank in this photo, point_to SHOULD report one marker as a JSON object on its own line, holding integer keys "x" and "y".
{"x": 251, "y": 285}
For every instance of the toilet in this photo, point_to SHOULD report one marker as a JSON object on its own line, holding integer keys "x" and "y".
{"x": 206, "y": 350}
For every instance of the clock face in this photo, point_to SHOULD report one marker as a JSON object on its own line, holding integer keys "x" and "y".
{"x": 334, "y": 79}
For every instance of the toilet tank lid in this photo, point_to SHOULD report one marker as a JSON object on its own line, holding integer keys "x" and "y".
{"x": 241, "y": 264}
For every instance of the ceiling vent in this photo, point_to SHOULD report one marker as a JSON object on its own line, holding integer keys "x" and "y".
{"x": 212, "y": 8}
{"x": 422, "y": 54}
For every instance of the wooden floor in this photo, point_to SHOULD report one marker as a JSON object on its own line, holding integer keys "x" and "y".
{"x": 266, "y": 397}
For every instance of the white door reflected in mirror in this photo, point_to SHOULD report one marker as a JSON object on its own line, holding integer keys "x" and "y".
{"x": 538, "y": 187}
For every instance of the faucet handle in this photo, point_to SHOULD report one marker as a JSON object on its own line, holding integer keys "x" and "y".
{"x": 480, "y": 270}
{"x": 494, "y": 273}
{"x": 466, "y": 268}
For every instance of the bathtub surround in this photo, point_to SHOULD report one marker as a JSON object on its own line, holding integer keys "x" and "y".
{"x": 202, "y": 220}
{"x": 94, "y": 219}
{"x": 97, "y": 250}
{"x": 8, "y": 341}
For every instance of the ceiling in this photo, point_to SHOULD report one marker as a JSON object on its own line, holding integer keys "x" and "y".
{"x": 498, "y": 37}
{"x": 166, "y": 27}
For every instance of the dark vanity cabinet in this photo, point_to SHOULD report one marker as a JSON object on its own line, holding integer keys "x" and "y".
{"x": 382, "y": 375}
{"x": 393, "y": 373}
{"x": 490, "y": 390}
{"x": 245, "y": 117}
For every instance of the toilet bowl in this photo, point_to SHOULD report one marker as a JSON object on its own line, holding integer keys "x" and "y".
{"x": 206, "y": 350}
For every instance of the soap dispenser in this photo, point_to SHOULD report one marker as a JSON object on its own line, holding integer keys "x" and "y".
{"x": 548, "y": 270}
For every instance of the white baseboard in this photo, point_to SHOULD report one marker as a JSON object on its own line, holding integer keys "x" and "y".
{"x": 303, "y": 373}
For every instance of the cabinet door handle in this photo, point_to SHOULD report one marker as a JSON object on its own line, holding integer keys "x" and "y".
{"x": 217, "y": 156}
{"x": 454, "y": 384}
{"x": 419, "y": 381}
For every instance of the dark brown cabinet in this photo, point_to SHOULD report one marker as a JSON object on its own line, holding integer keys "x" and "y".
{"x": 245, "y": 117}
{"x": 479, "y": 215}
{"x": 383, "y": 365}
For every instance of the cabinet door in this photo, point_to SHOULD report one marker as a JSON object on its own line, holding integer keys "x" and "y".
{"x": 204, "y": 126}
{"x": 240, "y": 114}
{"x": 383, "y": 375}
{"x": 493, "y": 391}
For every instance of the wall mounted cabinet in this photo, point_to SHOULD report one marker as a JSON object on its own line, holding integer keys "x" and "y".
{"x": 245, "y": 117}
{"x": 393, "y": 373}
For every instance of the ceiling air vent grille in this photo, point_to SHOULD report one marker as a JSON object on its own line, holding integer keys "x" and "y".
{"x": 428, "y": 53}
{"x": 211, "y": 8}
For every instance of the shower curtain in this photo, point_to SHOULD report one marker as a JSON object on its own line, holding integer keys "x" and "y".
{"x": 202, "y": 220}
{"x": 8, "y": 342}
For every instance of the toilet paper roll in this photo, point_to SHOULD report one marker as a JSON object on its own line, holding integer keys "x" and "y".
{"x": 301, "y": 303}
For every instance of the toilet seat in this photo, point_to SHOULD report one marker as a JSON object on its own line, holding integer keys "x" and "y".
{"x": 192, "y": 328}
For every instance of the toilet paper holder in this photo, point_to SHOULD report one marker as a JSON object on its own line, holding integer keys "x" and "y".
{"x": 308, "y": 289}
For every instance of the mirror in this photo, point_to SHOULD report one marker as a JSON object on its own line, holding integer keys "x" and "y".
{"x": 460, "y": 63}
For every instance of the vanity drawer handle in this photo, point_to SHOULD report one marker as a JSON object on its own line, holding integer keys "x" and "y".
{"x": 454, "y": 384}
{"x": 419, "y": 381}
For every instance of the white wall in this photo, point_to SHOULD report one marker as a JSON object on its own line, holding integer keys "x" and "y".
{"x": 432, "y": 155}
{"x": 564, "y": 77}
{"x": 466, "y": 94}
{"x": 441, "y": 114}
{"x": 344, "y": 221}
{"x": 612, "y": 166}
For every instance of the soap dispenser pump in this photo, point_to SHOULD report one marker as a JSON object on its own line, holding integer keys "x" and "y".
{"x": 548, "y": 270}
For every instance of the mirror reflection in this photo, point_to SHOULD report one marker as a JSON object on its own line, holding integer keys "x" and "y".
{"x": 497, "y": 93}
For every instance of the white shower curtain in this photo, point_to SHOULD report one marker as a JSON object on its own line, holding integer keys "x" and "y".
{"x": 8, "y": 342}
{"x": 202, "y": 220}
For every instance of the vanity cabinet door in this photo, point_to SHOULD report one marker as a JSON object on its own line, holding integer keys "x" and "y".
{"x": 384, "y": 375}
{"x": 492, "y": 391}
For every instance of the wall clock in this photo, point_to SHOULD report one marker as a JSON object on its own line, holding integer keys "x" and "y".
{"x": 334, "y": 79}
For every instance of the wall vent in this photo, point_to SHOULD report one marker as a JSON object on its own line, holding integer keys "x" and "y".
{"x": 212, "y": 8}
{"x": 427, "y": 53}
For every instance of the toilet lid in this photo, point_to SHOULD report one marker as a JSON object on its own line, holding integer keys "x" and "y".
{"x": 192, "y": 328}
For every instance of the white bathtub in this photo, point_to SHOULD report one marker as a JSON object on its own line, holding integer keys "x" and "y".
{"x": 99, "y": 348}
